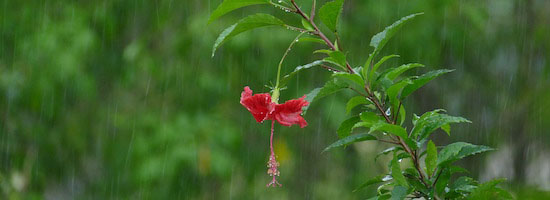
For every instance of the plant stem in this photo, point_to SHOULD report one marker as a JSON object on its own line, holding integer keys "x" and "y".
{"x": 388, "y": 141}
{"x": 318, "y": 31}
{"x": 296, "y": 29}
{"x": 397, "y": 113}
{"x": 374, "y": 100}
{"x": 312, "y": 13}
{"x": 283, "y": 59}
{"x": 330, "y": 68}
{"x": 271, "y": 138}
{"x": 437, "y": 177}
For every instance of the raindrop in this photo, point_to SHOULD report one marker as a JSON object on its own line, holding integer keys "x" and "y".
{"x": 387, "y": 178}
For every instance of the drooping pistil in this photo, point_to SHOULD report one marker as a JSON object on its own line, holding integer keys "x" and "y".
{"x": 272, "y": 164}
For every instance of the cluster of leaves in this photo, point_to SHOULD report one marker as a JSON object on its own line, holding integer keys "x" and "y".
{"x": 380, "y": 94}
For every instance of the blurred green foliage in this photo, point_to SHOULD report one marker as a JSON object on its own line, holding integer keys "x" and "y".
{"x": 121, "y": 99}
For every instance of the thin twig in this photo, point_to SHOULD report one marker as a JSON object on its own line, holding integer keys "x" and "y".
{"x": 387, "y": 141}
{"x": 283, "y": 59}
{"x": 437, "y": 177}
{"x": 318, "y": 32}
{"x": 297, "y": 29}
{"x": 312, "y": 13}
{"x": 379, "y": 107}
{"x": 330, "y": 68}
{"x": 397, "y": 113}
{"x": 414, "y": 158}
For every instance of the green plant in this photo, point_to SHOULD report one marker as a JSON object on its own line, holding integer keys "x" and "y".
{"x": 379, "y": 102}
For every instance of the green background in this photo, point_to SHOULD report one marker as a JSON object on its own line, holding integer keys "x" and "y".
{"x": 121, "y": 99}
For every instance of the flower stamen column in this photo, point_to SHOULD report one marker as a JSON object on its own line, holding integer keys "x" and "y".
{"x": 272, "y": 164}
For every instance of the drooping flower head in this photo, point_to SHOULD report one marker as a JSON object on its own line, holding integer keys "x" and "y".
{"x": 263, "y": 107}
{"x": 259, "y": 105}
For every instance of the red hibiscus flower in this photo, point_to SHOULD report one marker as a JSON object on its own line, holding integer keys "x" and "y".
{"x": 263, "y": 108}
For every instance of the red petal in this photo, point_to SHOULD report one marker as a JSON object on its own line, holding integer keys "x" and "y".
{"x": 259, "y": 105}
{"x": 246, "y": 93}
{"x": 289, "y": 112}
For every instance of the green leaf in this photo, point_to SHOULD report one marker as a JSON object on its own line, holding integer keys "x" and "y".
{"x": 377, "y": 179}
{"x": 371, "y": 117}
{"x": 322, "y": 51}
{"x": 415, "y": 119}
{"x": 382, "y": 188}
{"x": 388, "y": 150}
{"x": 402, "y": 115}
{"x": 368, "y": 119}
{"x": 403, "y": 155}
{"x": 378, "y": 64}
{"x": 345, "y": 127}
{"x": 421, "y": 81}
{"x": 310, "y": 39}
{"x": 457, "y": 169}
{"x": 337, "y": 58}
{"x": 490, "y": 190}
{"x": 394, "y": 90}
{"x": 330, "y": 87}
{"x": 431, "y": 121}
{"x": 464, "y": 184}
{"x": 355, "y": 101}
{"x": 381, "y": 197}
{"x": 396, "y": 172}
{"x": 389, "y": 128}
{"x": 307, "y": 25}
{"x": 245, "y": 24}
{"x": 287, "y": 77}
{"x": 350, "y": 140}
{"x": 357, "y": 70}
{"x": 368, "y": 65}
{"x": 395, "y": 130}
{"x": 446, "y": 128}
{"x": 379, "y": 40}
{"x": 384, "y": 83}
{"x": 411, "y": 171}
{"x": 399, "y": 193}
{"x": 457, "y": 151}
{"x": 230, "y": 5}
{"x": 330, "y": 13}
{"x": 395, "y": 72}
{"x": 351, "y": 79}
{"x": 442, "y": 181}
{"x": 413, "y": 179}
{"x": 431, "y": 158}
